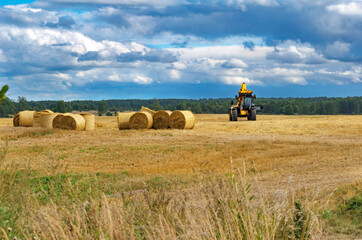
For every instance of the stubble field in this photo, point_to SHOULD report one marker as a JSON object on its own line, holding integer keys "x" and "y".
{"x": 309, "y": 154}
{"x": 313, "y": 150}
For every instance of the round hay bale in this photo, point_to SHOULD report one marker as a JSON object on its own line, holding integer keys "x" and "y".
{"x": 72, "y": 122}
{"x": 123, "y": 120}
{"x": 182, "y": 120}
{"x": 161, "y": 119}
{"x": 89, "y": 121}
{"x": 46, "y": 111}
{"x": 26, "y": 118}
{"x": 144, "y": 109}
{"x": 47, "y": 120}
{"x": 58, "y": 119}
{"x": 37, "y": 118}
{"x": 16, "y": 120}
{"x": 141, "y": 120}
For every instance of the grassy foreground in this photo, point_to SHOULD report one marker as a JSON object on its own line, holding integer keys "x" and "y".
{"x": 295, "y": 177}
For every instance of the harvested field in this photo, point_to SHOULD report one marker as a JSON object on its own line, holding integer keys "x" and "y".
{"x": 294, "y": 164}
{"x": 311, "y": 150}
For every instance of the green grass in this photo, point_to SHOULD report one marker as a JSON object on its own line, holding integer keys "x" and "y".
{"x": 42, "y": 133}
{"x": 345, "y": 217}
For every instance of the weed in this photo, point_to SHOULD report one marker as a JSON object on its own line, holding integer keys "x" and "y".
{"x": 346, "y": 216}
{"x": 42, "y": 133}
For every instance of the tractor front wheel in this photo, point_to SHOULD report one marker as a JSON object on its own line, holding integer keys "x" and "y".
{"x": 252, "y": 115}
{"x": 234, "y": 115}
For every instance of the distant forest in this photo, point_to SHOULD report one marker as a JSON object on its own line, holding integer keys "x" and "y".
{"x": 287, "y": 106}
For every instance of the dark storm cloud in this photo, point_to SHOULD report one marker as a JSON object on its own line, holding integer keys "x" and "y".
{"x": 249, "y": 44}
{"x": 307, "y": 23}
{"x": 292, "y": 20}
{"x": 89, "y": 56}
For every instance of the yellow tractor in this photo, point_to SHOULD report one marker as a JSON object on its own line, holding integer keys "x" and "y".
{"x": 245, "y": 106}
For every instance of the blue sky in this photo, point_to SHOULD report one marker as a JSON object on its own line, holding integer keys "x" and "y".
{"x": 103, "y": 49}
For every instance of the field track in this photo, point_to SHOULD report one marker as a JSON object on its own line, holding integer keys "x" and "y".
{"x": 305, "y": 151}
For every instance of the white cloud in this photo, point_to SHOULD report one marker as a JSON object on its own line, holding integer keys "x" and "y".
{"x": 297, "y": 80}
{"x": 179, "y": 66}
{"x": 115, "y": 77}
{"x": 352, "y": 8}
{"x": 23, "y": 8}
{"x": 142, "y": 79}
{"x": 295, "y": 52}
{"x": 154, "y": 3}
{"x": 66, "y": 40}
{"x": 340, "y": 77}
{"x": 223, "y": 52}
{"x": 282, "y": 75}
{"x": 235, "y": 63}
{"x": 62, "y": 76}
{"x": 242, "y": 4}
{"x": 236, "y": 80}
{"x": 174, "y": 74}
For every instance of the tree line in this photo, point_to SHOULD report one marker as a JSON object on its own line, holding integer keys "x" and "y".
{"x": 287, "y": 106}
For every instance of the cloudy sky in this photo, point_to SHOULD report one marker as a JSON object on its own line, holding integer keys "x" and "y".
{"x": 106, "y": 49}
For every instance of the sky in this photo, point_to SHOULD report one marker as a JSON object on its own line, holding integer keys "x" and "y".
{"x": 144, "y": 49}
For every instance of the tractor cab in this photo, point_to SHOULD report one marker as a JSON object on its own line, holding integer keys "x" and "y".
{"x": 248, "y": 103}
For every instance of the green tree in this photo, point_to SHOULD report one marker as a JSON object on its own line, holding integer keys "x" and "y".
{"x": 23, "y": 104}
{"x": 102, "y": 108}
{"x": 38, "y": 106}
{"x": 156, "y": 106}
{"x": 60, "y": 107}
{"x": 296, "y": 109}
{"x": 288, "y": 109}
{"x": 331, "y": 108}
{"x": 182, "y": 105}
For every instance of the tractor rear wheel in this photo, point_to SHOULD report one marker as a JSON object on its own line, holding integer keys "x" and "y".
{"x": 230, "y": 116}
{"x": 234, "y": 115}
{"x": 252, "y": 114}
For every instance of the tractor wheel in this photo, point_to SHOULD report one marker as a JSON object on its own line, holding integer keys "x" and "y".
{"x": 230, "y": 116}
{"x": 234, "y": 115}
{"x": 252, "y": 115}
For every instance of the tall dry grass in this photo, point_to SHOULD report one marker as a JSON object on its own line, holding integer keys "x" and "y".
{"x": 219, "y": 208}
